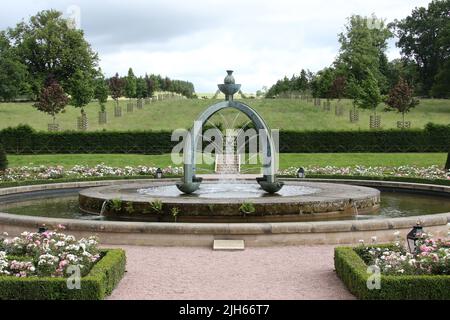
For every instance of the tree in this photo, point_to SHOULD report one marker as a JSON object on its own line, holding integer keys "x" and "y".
{"x": 141, "y": 88}
{"x": 401, "y": 98}
{"x": 116, "y": 87}
{"x": 363, "y": 47}
{"x": 48, "y": 46}
{"x": 3, "y": 159}
{"x": 424, "y": 39}
{"x": 368, "y": 95}
{"x": 130, "y": 85}
{"x": 150, "y": 86}
{"x": 81, "y": 90}
{"x": 13, "y": 73}
{"x": 101, "y": 91}
{"x": 337, "y": 90}
{"x": 52, "y": 99}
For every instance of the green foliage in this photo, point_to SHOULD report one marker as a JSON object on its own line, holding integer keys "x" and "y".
{"x": 447, "y": 164}
{"x": 81, "y": 89}
{"x": 130, "y": 85}
{"x": 352, "y": 270}
{"x": 115, "y": 204}
{"x": 52, "y": 99}
{"x": 401, "y": 97}
{"x": 424, "y": 39}
{"x": 48, "y": 46}
{"x": 175, "y": 212}
{"x": 99, "y": 283}
{"x": 13, "y": 73}
{"x": 367, "y": 94}
{"x": 247, "y": 208}
{"x": 141, "y": 88}
{"x": 101, "y": 90}
{"x": 3, "y": 159}
{"x": 24, "y": 140}
{"x": 157, "y": 206}
{"x": 129, "y": 208}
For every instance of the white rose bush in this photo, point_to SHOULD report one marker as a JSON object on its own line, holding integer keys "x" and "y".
{"x": 46, "y": 254}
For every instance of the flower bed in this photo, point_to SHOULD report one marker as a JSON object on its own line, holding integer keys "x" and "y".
{"x": 424, "y": 274}
{"x": 429, "y": 173}
{"x": 43, "y": 265}
{"x": 43, "y": 173}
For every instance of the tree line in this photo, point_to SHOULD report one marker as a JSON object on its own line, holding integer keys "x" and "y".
{"x": 49, "y": 61}
{"x": 362, "y": 71}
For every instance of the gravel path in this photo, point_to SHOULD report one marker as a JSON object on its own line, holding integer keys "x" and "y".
{"x": 303, "y": 272}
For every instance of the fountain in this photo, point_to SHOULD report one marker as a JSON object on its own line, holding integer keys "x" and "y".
{"x": 219, "y": 201}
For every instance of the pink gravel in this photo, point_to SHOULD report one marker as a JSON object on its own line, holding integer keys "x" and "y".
{"x": 302, "y": 272}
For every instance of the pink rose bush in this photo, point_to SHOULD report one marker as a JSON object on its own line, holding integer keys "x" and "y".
{"x": 431, "y": 258}
{"x": 47, "y": 254}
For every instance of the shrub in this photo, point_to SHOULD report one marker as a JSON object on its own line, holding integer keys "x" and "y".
{"x": 3, "y": 159}
{"x": 352, "y": 270}
{"x": 24, "y": 140}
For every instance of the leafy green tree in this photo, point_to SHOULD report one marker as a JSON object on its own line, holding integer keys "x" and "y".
{"x": 116, "y": 87}
{"x": 48, "y": 46}
{"x": 130, "y": 85}
{"x": 368, "y": 95}
{"x": 150, "y": 86}
{"x": 363, "y": 48}
{"x": 13, "y": 73}
{"x": 3, "y": 159}
{"x": 81, "y": 90}
{"x": 101, "y": 90}
{"x": 401, "y": 98}
{"x": 52, "y": 99}
{"x": 424, "y": 39}
{"x": 141, "y": 88}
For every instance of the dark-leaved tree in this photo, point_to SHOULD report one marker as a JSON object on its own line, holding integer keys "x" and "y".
{"x": 401, "y": 98}
{"x": 52, "y": 99}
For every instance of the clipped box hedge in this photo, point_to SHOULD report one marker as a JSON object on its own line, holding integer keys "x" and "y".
{"x": 353, "y": 272}
{"x": 96, "y": 285}
{"x": 25, "y": 140}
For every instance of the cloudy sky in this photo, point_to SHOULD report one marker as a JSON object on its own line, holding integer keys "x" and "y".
{"x": 262, "y": 40}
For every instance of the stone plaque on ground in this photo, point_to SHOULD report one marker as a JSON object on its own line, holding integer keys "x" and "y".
{"x": 228, "y": 245}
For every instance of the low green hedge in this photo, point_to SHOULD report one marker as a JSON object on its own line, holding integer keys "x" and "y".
{"x": 352, "y": 270}
{"x": 384, "y": 178}
{"x": 25, "y": 140}
{"x": 96, "y": 285}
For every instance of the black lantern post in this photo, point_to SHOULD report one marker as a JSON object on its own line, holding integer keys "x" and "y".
{"x": 301, "y": 173}
{"x": 42, "y": 229}
{"x": 413, "y": 237}
{"x": 159, "y": 173}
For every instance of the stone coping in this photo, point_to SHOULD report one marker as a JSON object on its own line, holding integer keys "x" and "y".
{"x": 224, "y": 228}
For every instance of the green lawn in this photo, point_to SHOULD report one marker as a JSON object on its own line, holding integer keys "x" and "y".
{"x": 286, "y": 160}
{"x": 172, "y": 114}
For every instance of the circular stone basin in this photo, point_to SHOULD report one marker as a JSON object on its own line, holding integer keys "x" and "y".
{"x": 223, "y": 202}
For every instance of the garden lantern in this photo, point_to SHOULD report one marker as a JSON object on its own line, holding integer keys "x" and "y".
{"x": 159, "y": 173}
{"x": 301, "y": 173}
{"x": 42, "y": 229}
{"x": 413, "y": 236}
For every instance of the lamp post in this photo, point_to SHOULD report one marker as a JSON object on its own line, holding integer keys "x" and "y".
{"x": 42, "y": 229}
{"x": 159, "y": 173}
{"x": 301, "y": 173}
{"x": 413, "y": 236}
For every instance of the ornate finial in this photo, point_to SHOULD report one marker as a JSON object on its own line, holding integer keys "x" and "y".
{"x": 229, "y": 88}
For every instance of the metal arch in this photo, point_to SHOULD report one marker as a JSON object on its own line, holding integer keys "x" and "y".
{"x": 190, "y": 184}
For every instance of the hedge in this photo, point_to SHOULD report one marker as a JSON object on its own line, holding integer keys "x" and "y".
{"x": 353, "y": 272}
{"x": 24, "y": 140}
{"x": 96, "y": 285}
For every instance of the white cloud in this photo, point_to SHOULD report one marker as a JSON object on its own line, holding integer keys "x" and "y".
{"x": 198, "y": 40}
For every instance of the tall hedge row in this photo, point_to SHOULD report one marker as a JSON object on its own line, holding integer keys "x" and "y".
{"x": 24, "y": 140}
